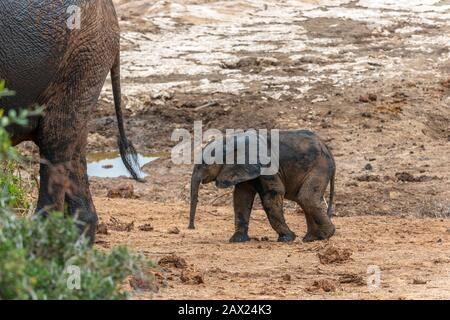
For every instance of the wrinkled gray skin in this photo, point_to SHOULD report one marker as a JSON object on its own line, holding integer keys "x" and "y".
{"x": 62, "y": 69}
{"x": 306, "y": 167}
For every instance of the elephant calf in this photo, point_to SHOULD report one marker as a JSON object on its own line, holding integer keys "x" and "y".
{"x": 306, "y": 166}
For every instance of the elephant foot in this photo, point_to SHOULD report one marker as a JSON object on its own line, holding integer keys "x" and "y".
{"x": 320, "y": 234}
{"x": 286, "y": 237}
{"x": 239, "y": 237}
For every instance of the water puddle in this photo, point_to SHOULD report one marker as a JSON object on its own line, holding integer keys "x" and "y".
{"x": 110, "y": 165}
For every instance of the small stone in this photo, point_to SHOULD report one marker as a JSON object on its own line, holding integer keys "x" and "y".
{"x": 172, "y": 261}
{"x": 173, "y": 230}
{"x": 419, "y": 281}
{"x": 368, "y": 167}
{"x": 286, "y": 277}
{"x": 372, "y": 97}
{"x": 364, "y": 98}
{"x": 393, "y": 195}
{"x": 146, "y": 227}
{"x": 192, "y": 277}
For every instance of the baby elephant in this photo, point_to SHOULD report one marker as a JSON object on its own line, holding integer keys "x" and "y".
{"x": 306, "y": 166}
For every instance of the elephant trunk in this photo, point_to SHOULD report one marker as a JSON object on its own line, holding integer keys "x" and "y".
{"x": 195, "y": 185}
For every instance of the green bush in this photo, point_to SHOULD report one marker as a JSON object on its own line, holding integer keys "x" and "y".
{"x": 44, "y": 257}
{"x": 13, "y": 186}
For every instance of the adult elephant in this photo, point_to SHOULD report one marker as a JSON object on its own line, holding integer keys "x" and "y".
{"x": 57, "y": 54}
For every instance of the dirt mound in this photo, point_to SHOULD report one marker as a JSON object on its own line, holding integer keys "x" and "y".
{"x": 125, "y": 190}
{"x": 192, "y": 276}
{"x": 407, "y": 177}
{"x": 117, "y": 225}
{"x": 172, "y": 261}
{"x": 332, "y": 254}
{"x": 352, "y": 278}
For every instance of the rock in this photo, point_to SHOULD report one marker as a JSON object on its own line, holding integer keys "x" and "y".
{"x": 325, "y": 285}
{"x": 352, "y": 278}
{"x": 173, "y": 230}
{"x": 192, "y": 277}
{"x": 419, "y": 281}
{"x": 407, "y": 177}
{"x": 368, "y": 167}
{"x": 446, "y": 83}
{"x": 332, "y": 254}
{"x": 125, "y": 191}
{"x": 102, "y": 228}
{"x": 286, "y": 277}
{"x": 172, "y": 261}
{"x": 372, "y": 97}
{"x": 393, "y": 195}
{"x": 364, "y": 98}
{"x": 118, "y": 225}
{"x": 146, "y": 227}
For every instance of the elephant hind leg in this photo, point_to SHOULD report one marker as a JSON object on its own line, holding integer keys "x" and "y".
{"x": 63, "y": 180}
{"x": 272, "y": 202}
{"x": 309, "y": 198}
{"x": 79, "y": 203}
{"x": 243, "y": 198}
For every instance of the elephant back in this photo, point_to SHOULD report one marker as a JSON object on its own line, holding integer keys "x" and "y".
{"x": 34, "y": 36}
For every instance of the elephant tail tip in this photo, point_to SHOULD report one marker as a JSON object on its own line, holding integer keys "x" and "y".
{"x": 130, "y": 159}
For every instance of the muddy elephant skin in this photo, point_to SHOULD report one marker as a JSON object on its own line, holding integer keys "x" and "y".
{"x": 56, "y": 65}
{"x": 306, "y": 167}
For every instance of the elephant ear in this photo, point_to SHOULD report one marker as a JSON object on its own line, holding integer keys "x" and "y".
{"x": 232, "y": 174}
{"x": 241, "y": 170}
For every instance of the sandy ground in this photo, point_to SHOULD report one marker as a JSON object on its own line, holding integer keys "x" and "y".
{"x": 372, "y": 78}
{"x": 411, "y": 254}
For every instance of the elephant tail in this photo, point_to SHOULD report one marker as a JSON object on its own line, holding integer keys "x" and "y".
{"x": 127, "y": 151}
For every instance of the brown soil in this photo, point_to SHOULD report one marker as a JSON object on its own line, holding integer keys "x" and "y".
{"x": 201, "y": 264}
